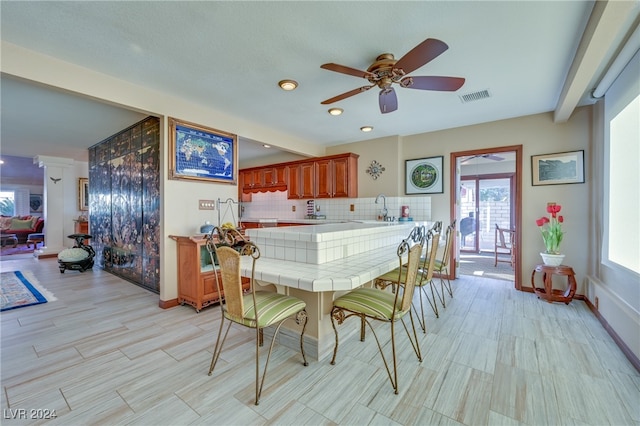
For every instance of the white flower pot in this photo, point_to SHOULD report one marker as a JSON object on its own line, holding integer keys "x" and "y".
{"x": 552, "y": 259}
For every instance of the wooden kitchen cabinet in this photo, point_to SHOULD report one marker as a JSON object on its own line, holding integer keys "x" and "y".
{"x": 243, "y": 196}
{"x": 196, "y": 279}
{"x": 323, "y": 177}
{"x": 274, "y": 176}
{"x": 280, "y": 175}
{"x": 307, "y": 176}
{"x": 301, "y": 180}
{"x": 270, "y": 178}
{"x": 345, "y": 176}
{"x": 336, "y": 177}
{"x": 250, "y": 225}
{"x": 246, "y": 177}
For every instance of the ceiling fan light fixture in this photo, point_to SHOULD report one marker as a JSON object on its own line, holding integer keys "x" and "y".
{"x": 366, "y": 128}
{"x": 264, "y": 145}
{"x": 288, "y": 85}
{"x": 335, "y": 111}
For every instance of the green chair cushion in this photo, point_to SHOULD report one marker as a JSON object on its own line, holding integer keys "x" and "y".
{"x": 439, "y": 266}
{"x": 393, "y": 276}
{"x": 371, "y": 302}
{"x": 272, "y": 308}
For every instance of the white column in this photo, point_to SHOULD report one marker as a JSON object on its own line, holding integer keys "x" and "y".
{"x": 59, "y": 197}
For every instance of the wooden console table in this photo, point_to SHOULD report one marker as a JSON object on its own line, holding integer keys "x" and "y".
{"x": 550, "y": 294}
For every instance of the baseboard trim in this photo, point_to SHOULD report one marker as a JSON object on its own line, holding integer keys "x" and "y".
{"x": 166, "y": 304}
{"x": 633, "y": 359}
{"x": 46, "y": 256}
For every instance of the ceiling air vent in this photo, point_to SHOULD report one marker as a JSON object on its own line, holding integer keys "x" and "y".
{"x": 475, "y": 96}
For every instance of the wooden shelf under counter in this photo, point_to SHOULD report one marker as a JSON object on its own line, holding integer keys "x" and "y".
{"x": 196, "y": 280}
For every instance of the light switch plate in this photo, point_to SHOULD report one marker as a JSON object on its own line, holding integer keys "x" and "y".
{"x": 206, "y": 205}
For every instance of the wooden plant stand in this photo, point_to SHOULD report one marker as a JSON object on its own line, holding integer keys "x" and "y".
{"x": 547, "y": 292}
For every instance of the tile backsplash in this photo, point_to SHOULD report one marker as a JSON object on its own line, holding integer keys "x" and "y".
{"x": 276, "y": 205}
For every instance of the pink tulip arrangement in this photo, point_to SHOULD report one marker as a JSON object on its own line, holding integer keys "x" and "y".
{"x": 551, "y": 229}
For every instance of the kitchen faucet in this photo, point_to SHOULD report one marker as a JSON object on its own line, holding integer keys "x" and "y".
{"x": 384, "y": 208}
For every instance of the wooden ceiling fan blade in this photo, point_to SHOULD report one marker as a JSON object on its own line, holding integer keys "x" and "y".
{"x": 347, "y": 94}
{"x": 425, "y": 52}
{"x": 347, "y": 70}
{"x": 444, "y": 84}
{"x": 388, "y": 100}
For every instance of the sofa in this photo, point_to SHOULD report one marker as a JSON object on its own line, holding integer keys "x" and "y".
{"x": 22, "y": 226}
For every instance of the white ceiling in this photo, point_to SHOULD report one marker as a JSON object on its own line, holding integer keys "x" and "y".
{"x": 230, "y": 55}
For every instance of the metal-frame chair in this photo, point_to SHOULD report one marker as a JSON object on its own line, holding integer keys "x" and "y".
{"x": 379, "y": 305}
{"x": 442, "y": 266}
{"x": 257, "y": 309}
{"x": 425, "y": 274}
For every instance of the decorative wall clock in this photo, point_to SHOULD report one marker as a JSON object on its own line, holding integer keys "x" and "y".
{"x": 375, "y": 169}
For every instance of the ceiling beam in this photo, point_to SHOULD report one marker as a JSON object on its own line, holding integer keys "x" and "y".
{"x": 608, "y": 24}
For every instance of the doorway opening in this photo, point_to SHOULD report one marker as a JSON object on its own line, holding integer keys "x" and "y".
{"x": 486, "y": 188}
{"x": 485, "y": 200}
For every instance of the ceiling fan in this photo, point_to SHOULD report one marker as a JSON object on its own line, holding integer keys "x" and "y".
{"x": 386, "y": 71}
{"x": 487, "y": 156}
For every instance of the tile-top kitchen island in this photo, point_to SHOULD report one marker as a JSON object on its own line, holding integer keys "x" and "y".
{"x": 313, "y": 262}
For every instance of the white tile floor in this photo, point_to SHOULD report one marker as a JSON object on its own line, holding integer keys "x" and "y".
{"x": 104, "y": 353}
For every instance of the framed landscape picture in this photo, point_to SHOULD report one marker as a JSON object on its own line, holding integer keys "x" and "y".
{"x": 424, "y": 176}
{"x": 202, "y": 153}
{"x": 83, "y": 194}
{"x": 558, "y": 168}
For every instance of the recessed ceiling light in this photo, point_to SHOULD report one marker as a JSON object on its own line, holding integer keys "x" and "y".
{"x": 336, "y": 111}
{"x": 288, "y": 84}
{"x": 366, "y": 128}
{"x": 266, "y": 146}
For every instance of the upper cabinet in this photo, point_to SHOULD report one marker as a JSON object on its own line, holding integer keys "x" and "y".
{"x": 301, "y": 182}
{"x": 323, "y": 177}
{"x": 263, "y": 179}
{"x": 337, "y": 177}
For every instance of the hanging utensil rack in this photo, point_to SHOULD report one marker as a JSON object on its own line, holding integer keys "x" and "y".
{"x": 231, "y": 208}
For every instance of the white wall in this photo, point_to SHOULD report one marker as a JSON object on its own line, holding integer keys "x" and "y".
{"x": 615, "y": 289}
{"x": 385, "y": 151}
{"x": 538, "y": 135}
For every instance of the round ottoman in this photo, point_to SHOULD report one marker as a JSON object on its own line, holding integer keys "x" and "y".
{"x": 77, "y": 258}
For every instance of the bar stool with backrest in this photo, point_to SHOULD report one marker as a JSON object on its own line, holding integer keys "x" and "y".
{"x": 425, "y": 276}
{"x": 258, "y": 309}
{"x": 442, "y": 266}
{"x": 369, "y": 304}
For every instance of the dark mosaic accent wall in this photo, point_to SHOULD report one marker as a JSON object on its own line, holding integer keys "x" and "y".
{"x": 124, "y": 203}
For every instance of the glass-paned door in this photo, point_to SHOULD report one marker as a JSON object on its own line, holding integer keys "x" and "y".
{"x": 485, "y": 201}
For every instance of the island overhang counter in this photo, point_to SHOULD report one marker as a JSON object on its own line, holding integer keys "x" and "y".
{"x": 313, "y": 262}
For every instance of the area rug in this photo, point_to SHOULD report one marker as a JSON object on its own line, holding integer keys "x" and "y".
{"x": 20, "y": 289}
